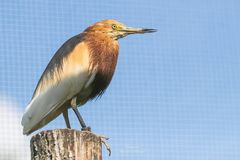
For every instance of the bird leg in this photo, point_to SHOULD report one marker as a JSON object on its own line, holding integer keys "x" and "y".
{"x": 80, "y": 119}
{"x": 65, "y": 115}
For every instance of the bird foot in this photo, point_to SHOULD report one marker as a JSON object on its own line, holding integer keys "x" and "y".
{"x": 86, "y": 129}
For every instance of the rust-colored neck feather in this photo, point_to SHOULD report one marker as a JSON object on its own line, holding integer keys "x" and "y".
{"x": 103, "y": 58}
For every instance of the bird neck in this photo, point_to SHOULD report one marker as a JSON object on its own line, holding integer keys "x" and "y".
{"x": 103, "y": 50}
{"x": 103, "y": 59}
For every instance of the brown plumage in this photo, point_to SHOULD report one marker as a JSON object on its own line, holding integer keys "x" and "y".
{"x": 104, "y": 59}
{"x": 80, "y": 70}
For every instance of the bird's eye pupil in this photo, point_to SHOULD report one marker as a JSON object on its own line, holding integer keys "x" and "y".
{"x": 114, "y": 26}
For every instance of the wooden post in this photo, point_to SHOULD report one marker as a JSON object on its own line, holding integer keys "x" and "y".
{"x": 66, "y": 144}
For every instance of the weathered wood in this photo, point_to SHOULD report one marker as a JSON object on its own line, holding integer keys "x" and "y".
{"x": 66, "y": 144}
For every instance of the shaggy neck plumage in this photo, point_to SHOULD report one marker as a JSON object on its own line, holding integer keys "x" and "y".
{"x": 103, "y": 58}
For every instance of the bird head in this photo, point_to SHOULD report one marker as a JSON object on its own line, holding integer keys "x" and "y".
{"x": 115, "y": 29}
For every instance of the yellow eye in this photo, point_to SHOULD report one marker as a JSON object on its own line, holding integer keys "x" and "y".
{"x": 114, "y": 26}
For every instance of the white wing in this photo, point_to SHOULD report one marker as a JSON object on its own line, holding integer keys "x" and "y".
{"x": 56, "y": 87}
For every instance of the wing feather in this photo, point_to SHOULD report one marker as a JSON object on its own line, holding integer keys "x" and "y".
{"x": 57, "y": 85}
{"x": 52, "y": 73}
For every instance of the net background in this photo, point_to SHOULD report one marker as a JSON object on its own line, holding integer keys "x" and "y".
{"x": 175, "y": 93}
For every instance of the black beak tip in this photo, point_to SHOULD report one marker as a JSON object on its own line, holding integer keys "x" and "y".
{"x": 145, "y": 30}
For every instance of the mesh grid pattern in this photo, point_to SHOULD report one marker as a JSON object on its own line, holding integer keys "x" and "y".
{"x": 175, "y": 94}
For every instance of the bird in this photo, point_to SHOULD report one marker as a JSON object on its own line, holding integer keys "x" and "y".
{"x": 80, "y": 71}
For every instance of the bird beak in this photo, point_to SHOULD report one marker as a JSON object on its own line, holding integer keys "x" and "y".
{"x": 129, "y": 30}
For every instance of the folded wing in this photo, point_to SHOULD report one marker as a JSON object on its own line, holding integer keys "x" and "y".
{"x": 64, "y": 77}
